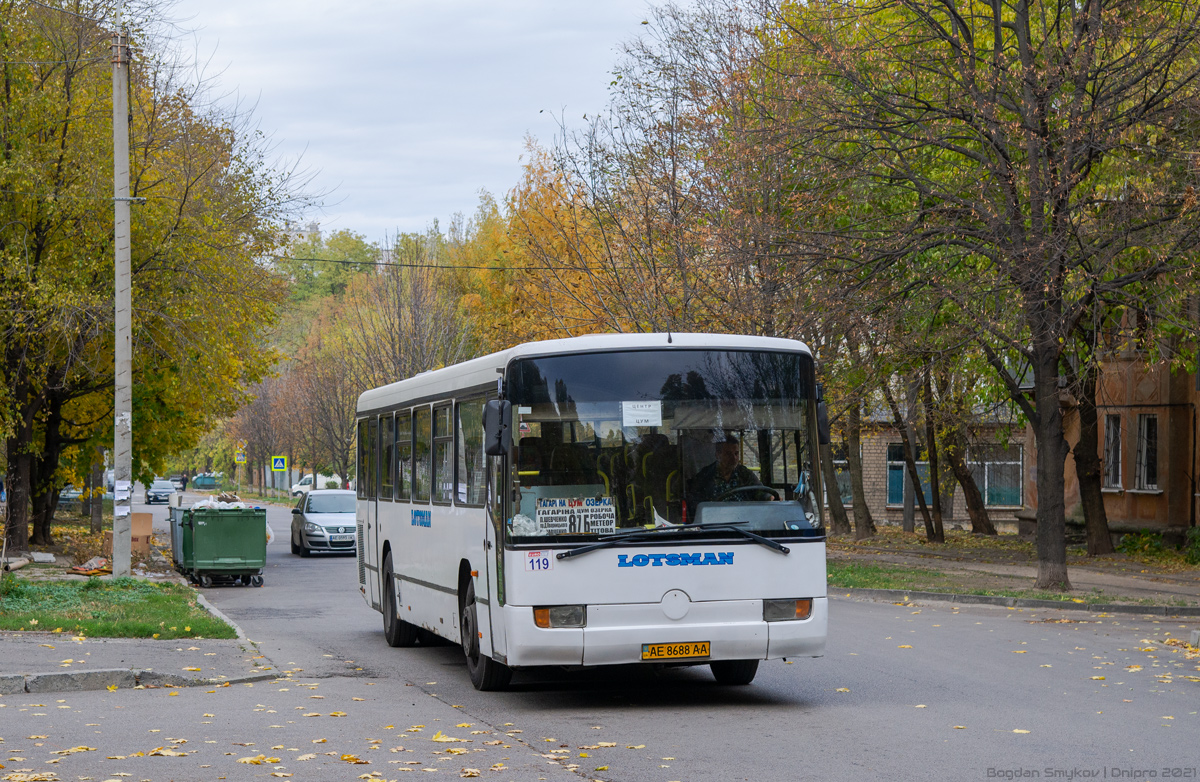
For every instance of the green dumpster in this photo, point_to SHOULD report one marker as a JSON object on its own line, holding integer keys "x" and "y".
{"x": 227, "y": 545}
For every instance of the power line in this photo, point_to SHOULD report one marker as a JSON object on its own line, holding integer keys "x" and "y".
{"x": 53, "y": 62}
{"x": 436, "y": 266}
{"x": 65, "y": 11}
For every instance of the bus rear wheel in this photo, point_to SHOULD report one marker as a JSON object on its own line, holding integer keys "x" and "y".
{"x": 486, "y": 674}
{"x": 734, "y": 671}
{"x": 395, "y": 630}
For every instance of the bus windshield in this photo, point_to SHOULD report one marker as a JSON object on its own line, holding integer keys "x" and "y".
{"x": 610, "y": 442}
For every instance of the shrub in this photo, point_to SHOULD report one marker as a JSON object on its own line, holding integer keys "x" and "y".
{"x": 1191, "y": 546}
{"x": 1144, "y": 543}
{"x": 332, "y": 485}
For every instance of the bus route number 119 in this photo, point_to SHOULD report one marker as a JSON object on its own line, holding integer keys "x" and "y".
{"x": 539, "y": 560}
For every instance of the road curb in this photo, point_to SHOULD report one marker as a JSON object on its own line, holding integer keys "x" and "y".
{"x": 894, "y": 595}
{"x": 212, "y": 609}
{"x": 118, "y": 678}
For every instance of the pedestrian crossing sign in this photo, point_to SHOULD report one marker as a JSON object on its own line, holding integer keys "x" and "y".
{"x": 239, "y": 457}
{"x": 278, "y": 464}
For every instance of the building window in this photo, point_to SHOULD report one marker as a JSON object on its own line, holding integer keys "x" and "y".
{"x": 1112, "y": 451}
{"x": 1146, "y": 472}
{"x": 997, "y": 471}
{"x": 841, "y": 468}
{"x": 897, "y": 476}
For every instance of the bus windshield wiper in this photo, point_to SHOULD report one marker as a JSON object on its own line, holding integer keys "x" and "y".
{"x": 649, "y": 534}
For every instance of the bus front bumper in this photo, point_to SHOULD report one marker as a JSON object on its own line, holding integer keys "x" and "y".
{"x": 615, "y": 634}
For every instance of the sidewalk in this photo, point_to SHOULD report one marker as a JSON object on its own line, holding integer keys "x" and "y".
{"x": 57, "y": 662}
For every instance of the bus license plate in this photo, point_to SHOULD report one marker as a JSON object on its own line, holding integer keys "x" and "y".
{"x": 675, "y": 651}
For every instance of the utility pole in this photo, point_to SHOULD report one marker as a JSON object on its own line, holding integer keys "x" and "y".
{"x": 123, "y": 344}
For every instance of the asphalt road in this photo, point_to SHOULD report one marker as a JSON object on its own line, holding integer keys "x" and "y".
{"x": 905, "y": 692}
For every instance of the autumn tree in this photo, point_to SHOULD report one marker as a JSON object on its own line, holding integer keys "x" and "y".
{"x": 1034, "y": 155}
{"x": 215, "y": 201}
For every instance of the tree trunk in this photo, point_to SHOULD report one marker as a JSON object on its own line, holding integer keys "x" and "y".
{"x": 1088, "y": 467}
{"x": 1052, "y": 452}
{"x": 837, "y": 511}
{"x": 955, "y": 451}
{"x": 97, "y": 508}
{"x": 17, "y": 521}
{"x": 909, "y": 461}
{"x": 864, "y": 525}
{"x": 938, "y": 533}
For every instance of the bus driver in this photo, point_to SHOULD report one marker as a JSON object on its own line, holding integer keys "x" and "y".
{"x": 725, "y": 475}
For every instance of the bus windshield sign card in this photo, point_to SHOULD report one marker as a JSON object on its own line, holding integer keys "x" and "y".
{"x": 576, "y": 515}
{"x": 641, "y": 413}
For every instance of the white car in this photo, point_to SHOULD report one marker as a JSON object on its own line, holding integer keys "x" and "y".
{"x": 306, "y": 483}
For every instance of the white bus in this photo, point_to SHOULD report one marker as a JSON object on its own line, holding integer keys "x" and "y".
{"x": 612, "y": 499}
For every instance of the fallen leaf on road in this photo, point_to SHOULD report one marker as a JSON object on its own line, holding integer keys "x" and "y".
{"x": 313, "y": 714}
{"x": 1018, "y": 730}
{"x": 257, "y": 760}
{"x": 469, "y": 772}
{"x": 493, "y": 743}
{"x": 602, "y": 768}
{"x": 639, "y": 746}
{"x": 307, "y": 756}
{"x": 904, "y": 646}
{"x": 355, "y": 759}
{"x": 170, "y": 753}
{"x": 843, "y": 689}
{"x": 442, "y": 737}
{"x": 191, "y": 669}
{"x": 606, "y": 743}
{"x": 960, "y": 727}
{"x": 1098, "y": 678}
{"x": 73, "y": 750}
{"x": 358, "y": 699}
{"x": 465, "y": 725}
{"x": 280, "y": 774}
{"x": 337, "y": 714}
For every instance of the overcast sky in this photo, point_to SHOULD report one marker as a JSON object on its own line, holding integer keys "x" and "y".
{"x": 407, "y": 108}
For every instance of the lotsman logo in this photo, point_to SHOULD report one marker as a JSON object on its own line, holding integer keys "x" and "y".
{"x": 422, "y": 518}
{"x": 676, "y": 560}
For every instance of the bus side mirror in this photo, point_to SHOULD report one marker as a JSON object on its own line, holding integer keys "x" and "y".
{"x": 497, "y": 427}
{"x": 822, "y": 423}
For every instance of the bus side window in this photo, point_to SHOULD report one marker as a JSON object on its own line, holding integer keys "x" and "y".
{"x": 404, "y": 460}
{"x": 422, "y": 446}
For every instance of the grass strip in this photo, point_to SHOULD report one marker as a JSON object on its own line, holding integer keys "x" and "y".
{"x": 116, "y": 608}
{"x": 858, "y": 575}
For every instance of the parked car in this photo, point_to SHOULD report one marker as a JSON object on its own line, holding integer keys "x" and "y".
{"x": 323, "y": 520}
{"x": 177, "y": 482}
{"x": 159, "y": 491}
{"x": 307, "y": 482}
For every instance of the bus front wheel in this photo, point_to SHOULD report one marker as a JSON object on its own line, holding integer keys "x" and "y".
{"x": 734, "y": 671}
{"x": 486, "y": 674}
{"x": 395, "y": 630}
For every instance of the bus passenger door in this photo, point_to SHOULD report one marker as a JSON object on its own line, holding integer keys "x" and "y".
{"x": 494, "y": 552}
{"x": 371, "y": 489}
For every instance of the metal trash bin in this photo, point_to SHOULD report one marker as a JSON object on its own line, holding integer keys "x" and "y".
{"x": 176, "y": 516}
{"x": 227, "y": 545}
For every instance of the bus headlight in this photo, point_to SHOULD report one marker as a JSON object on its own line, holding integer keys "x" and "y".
{"x": 560, "y": 616}
{"x": 784, "y": 610}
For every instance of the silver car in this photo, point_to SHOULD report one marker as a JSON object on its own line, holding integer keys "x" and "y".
{"x": 323, "y": 520}
{"x": 159, "y": 491}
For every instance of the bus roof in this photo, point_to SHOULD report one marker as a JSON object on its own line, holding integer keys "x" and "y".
{"x": 483, "y": 371}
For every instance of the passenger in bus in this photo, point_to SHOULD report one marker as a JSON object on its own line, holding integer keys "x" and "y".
{"x": 725, "y": 475}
